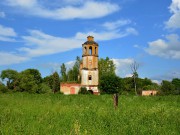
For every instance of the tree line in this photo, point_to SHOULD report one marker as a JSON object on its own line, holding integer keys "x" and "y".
{"x": 31, "y": 81}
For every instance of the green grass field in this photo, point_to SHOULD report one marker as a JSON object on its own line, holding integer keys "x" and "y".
{"x": 33, "y": 114}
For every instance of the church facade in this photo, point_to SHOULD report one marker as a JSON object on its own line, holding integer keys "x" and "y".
{"x": 89, "y": 73}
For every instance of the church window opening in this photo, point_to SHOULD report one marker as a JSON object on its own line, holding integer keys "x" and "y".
{"x": 95, "y": 50}
{"x": 90, "y": 50}
{"x": 89, "y": 77}
{"x": 85, "y": 50}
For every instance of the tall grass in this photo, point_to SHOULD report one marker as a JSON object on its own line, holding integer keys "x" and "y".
{"x": 22, "y": 113}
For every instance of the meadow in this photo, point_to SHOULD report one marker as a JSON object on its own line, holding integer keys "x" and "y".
{"x": 56, "y": 114}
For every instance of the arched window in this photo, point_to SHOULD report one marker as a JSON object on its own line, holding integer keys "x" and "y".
{"x": 95, "y": 50}
{"x": 85, "y": 50}
{"x": 90, "y": 50}
{"x": 89, "y": 77}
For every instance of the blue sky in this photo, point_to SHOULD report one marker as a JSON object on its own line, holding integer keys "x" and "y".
{"x": 43, "y": 34}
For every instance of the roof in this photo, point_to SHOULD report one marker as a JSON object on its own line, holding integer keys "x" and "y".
{"x": 90, "y": 43}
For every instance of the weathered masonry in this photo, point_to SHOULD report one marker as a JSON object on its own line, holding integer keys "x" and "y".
{"x": 89, "y": 66}
{"x": 89, "y": 73}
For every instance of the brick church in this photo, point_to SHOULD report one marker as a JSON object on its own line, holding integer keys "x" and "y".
{"x": 88, "y": 70}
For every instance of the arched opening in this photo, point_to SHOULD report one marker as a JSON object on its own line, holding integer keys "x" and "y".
{"x": 89, "y": 77}
{"x": 90, "y": 50}
{"x": 90, "y": 91}
{"x": 95, "y": 50}
{"x": 85, "y": 49}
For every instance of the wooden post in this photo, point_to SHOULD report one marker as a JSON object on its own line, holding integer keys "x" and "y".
{"x": 115, "y": 99}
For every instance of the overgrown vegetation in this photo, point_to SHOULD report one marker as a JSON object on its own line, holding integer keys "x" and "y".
{"x": 23, "y": 113}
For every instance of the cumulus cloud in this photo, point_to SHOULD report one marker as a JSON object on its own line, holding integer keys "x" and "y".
{"x": 166, "y": 48}
{"x": 7, "y": 33}
{"x": 123, "y": 66}
{"x": 86, "y": 10}
{"x": 11, "y": 58}
{"x": 174, "y": 20}
{"x": 2, "y": 15}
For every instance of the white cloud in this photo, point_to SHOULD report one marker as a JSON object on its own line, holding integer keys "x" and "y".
{"x": 116, "y": 24}
{"x": 128, "y": 75}
{"x": 10, "y": 58}
{"x": 53, "y": 66}
{"x": 123, "y": 66}
{"x": 111, "y": 30}
{"x": 22, "y": 3}
{"x": 86, "y": 10}
{"x": 7, "y": 34}
{"x": 156, "y": 81}
{"x": 136, "y": 46}
{"x": 169, "y": 48}
{"x": 39, "y": 43}
{"x": 108, "y": 35}
{"x": 174, "y": 20}
{"x": 69, "y": 64}
{"x": 2, "y": 15}
{"x": 6, "y": 31}
{"x": 7, "y": 39}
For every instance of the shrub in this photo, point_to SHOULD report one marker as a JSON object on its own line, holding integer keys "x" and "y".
{"x": 83, "y": 90}
{"x": 44, "y": 89}
{"x": 3, "y": 88}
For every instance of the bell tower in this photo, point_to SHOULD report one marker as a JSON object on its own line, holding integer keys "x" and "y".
{"x": 89, "y": 66}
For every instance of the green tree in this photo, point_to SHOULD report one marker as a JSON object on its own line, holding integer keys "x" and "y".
{"x": 127, "y": 85}
{"x": 176, "y": 83}
{"x": 73, "y": 73}
{"x": 110, "y": 84}
{"x": 48, "y": 80}
{"x": 70, "y": 75}
{"x": 56, "y": 82}
{"x": 76, "y": 69}
{"x": 26, "y": 82}
{"x": 167, "y": 87}
{"x": 106, "y": 67}
{"x": 9, "y": 75}
{"x": 63, "y": 73}
{"x": 36, "y": 75}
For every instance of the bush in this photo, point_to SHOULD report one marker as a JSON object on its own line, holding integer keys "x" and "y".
{"x": 41, "y": 89}
{"x": 44, "y": 89}
{"x": 83, "y": 90}
{"x": 3, "y": 88}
